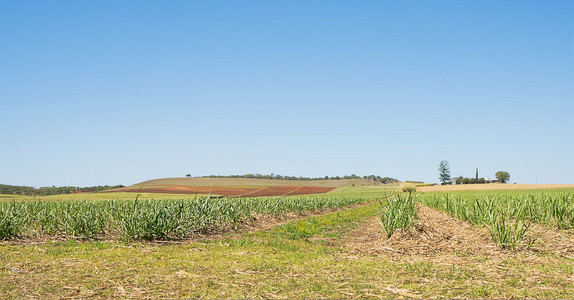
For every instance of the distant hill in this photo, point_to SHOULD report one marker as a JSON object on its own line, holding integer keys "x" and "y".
{"x": 53, "y": 190}
{"x": 243, "y": 187}
{"x": 252, "y": 182}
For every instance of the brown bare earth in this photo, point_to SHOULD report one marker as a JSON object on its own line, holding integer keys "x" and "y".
{"x": 230, "y": 191}
{"x": 490, "y": 186}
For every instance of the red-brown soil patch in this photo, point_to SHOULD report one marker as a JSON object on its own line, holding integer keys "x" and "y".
{"x": 288, "y": 190}
{"x": 310, "y": 190}
{"x": 231, "y": 191}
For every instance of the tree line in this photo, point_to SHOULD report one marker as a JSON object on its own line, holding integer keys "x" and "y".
{"x": 281, "y": 177}
{"x": 53, "y": 190}
{"x": 444, "y": 176}
{"x": 466, "y": 180}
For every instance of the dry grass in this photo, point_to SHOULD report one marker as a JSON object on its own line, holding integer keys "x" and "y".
{"x": 441, "y": 240}
{"x": 437, "y": 232}
{"x": 490, "y": 186}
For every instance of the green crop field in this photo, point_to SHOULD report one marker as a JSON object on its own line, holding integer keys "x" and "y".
{"x": 154, "y": 218}
{"x": 92, "y": 196}
{"x": 419, "y": 245}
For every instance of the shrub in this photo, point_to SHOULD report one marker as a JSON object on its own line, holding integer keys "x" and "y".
{"x": 409, "y": 189}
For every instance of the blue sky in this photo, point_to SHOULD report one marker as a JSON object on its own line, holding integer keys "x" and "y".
{"x": 117, "y": 92}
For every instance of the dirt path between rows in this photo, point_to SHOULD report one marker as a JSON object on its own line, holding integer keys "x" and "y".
{"x": 435, "y": 234}
{"x": 441, "y": 238}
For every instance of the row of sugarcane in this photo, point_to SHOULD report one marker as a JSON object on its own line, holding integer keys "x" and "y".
{"x": 151, "y": 219}
{"x": 508, "y": 216}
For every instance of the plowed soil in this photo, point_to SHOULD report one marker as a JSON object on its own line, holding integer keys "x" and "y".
{"x": 231, "y": 191}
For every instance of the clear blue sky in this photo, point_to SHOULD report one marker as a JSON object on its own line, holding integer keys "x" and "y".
{"x": 117, "y": 92}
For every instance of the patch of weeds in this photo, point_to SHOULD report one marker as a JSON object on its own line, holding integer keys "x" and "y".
{"x": 285, "y": 245}
{"x": 99, "y": 245}
{"x": 241, "y": 242}
{"x": 264, "y": 266}
{"x": 567, "y": 268}
{"x": 301, "y": 229}
{"x": 513, "y": 281}
{"x": 421, "y": 269}
{"x": 481, "y": 291}
{"x": 456, "y": 274}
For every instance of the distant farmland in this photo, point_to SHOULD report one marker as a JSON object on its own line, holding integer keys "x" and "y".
{"x": 242, "y": 187}
{"x": 242, "y": 182}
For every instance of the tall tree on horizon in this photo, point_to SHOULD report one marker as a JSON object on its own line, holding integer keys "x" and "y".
{"x": 502, "y": 176}
{"x": 444, "y": 172}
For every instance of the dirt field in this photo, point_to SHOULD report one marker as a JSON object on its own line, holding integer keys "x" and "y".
{"x": 490, "y": 186}
{"x": 230, "y": 191}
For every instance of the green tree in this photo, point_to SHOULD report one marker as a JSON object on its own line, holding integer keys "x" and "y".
{"x": 502, "y": 176}
{"x": 444, "y": 172}
{"x": 459, "y": 180}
